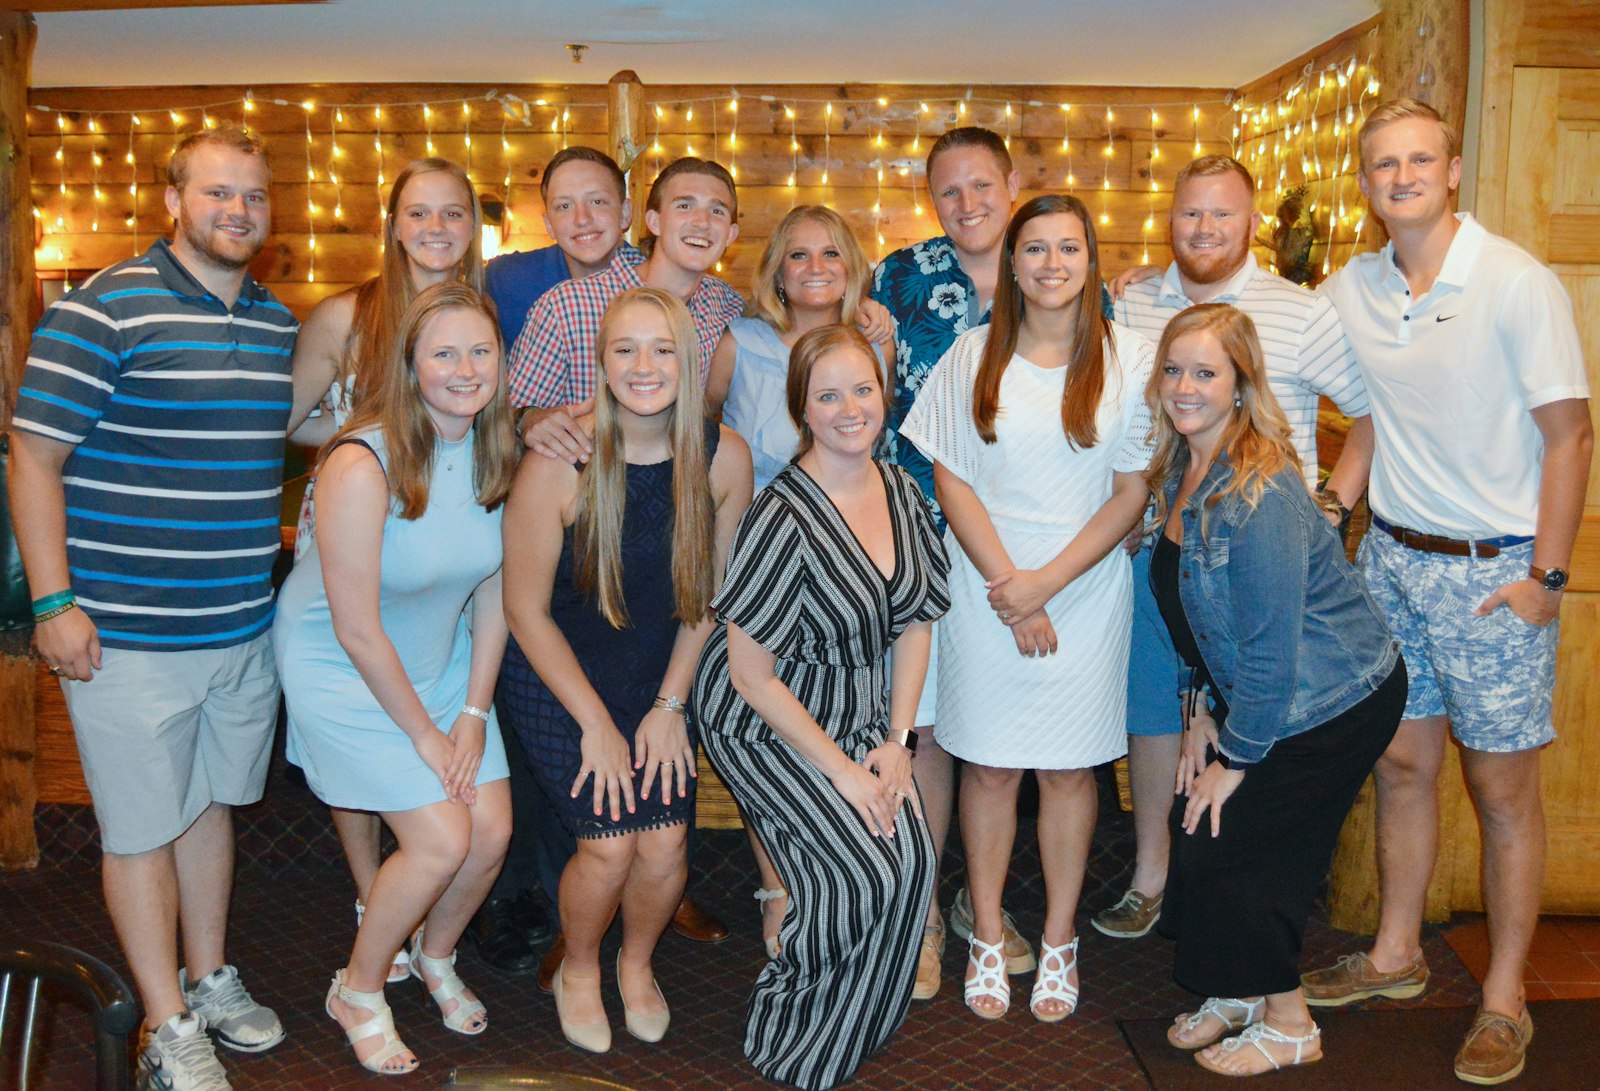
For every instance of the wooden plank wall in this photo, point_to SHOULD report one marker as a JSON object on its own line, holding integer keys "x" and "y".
{"x": 1274, "y": 140}
{"x": 80, "y": 140}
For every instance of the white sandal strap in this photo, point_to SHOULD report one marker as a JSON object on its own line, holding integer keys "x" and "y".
{"x": 381, "y": 1024}
{"x": 1256, "y": 1032}
{"x": 1053, "y": 984}
{"x": 1248, "y": 1012}
{"x": 451, "y": 987}
{"x": 991, "y": 980}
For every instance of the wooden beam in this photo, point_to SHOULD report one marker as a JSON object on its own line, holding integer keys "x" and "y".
{"x": 117, "y": 5}
{"x": 18, "y": 793}
{"x": 625, "y": 137}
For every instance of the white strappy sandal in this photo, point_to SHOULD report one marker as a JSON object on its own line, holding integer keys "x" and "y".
{"x": 451, "y": 987}
{"x": 989, "y": 959}
{"x": 1254, "y": 1035}
{"x": 1232, "y": 1014}
{"x": 1052, "y": 984}
{"x": 381, "y": 1023}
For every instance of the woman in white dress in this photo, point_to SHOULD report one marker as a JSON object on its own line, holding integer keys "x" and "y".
{"x": 1038, "y": 430}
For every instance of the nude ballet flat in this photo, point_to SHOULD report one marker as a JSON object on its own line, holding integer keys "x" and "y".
{"x": 594, "y": 1037}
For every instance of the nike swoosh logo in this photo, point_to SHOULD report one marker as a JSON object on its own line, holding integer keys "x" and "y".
{"x": 1443, "y": 317}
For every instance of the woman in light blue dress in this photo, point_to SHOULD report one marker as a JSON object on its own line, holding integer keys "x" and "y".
{"x": 389, "y": 635}
{"x": 812, "y": 274}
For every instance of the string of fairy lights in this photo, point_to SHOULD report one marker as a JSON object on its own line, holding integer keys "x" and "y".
{"x": 1282, "y": 137}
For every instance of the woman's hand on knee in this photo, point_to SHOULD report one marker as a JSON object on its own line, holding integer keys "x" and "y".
{"x": 606, "y": 758}
{"x": 662, "y": 749}
{"x": 1210, "y": 790}
{"x": 892, "y": 764}
{"x": 871, "y": 798}
{"x": 461, "y": 776}
{"x": 436, "y": 751}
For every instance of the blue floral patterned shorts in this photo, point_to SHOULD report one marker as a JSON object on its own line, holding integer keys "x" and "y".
{"x": 1493, "y": 676}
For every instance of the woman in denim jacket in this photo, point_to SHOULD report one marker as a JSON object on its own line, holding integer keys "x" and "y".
{"x": 1306, "y": 688}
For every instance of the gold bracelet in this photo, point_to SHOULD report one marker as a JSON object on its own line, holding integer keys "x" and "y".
{"x": 670, "y": 704}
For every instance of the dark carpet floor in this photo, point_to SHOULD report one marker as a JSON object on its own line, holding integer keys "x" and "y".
{"x": 292, "y": 926}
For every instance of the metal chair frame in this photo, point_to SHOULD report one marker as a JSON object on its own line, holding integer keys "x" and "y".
{"x": 111, "y": 1003}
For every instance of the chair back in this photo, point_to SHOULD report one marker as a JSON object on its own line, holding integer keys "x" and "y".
{"x": 24, "y": 969}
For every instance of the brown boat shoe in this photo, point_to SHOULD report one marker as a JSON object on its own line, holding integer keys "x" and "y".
{"x": 1495, "y": 1048}
{"x": 1130, "y": 918}
{"x": 1353, "y": 978}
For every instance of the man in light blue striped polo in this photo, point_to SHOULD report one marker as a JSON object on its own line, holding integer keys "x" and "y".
{"x": 147, "y": 462}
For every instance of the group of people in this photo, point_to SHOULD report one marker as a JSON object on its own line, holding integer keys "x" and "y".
{"x": 581, "y": 511}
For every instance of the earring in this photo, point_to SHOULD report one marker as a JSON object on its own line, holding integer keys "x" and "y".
{"x": 1238, "y": 403}
{"x": 783, "y": 296}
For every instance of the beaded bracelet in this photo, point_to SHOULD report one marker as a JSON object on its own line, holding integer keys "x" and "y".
{"x": 480, "y": 713}
{"x": 55, "y": 612}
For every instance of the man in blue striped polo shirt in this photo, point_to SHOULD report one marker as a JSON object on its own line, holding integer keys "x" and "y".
{"x": 145, "y": 479}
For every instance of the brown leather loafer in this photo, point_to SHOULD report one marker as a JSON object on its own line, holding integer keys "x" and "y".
{"x": 552, "y": 963}
{"x": 1353, "y": 978}
{"x": 691, "y": 921}
{"x": 1495, "y": 1048}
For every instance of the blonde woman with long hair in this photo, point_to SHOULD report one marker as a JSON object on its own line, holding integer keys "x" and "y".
{"x": 432, "y": 228}
{"x": 388, "y": 636}
{"x": 612, "y": 567}
{"x": 1305, "y": 687}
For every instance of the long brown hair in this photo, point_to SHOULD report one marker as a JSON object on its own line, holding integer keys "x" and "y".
{"x": 396, "y": 407}
{"x": 1257, "y": 438}
{"x": 603, "y": 481}
{"x": 1091, "y": 336}
{"x": 382, "y": 300}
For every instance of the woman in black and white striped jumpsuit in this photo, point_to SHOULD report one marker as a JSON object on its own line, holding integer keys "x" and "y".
{"x": 836, "y": 560}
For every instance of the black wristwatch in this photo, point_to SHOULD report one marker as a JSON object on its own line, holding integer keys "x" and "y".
{"x": 1344, "y": 512}
{"x": 1552, "y": 579}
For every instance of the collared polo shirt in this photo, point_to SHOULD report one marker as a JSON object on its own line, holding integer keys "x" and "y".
{"x": 1304, "y": 346}
{"x": 176, "y": 406}
{"x": 516, "y": 281}
{"x": 1452, "y": 377}
{"x": 553, "y": 361}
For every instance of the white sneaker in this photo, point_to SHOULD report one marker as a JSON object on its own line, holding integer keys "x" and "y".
{"x": 179, "y": 1057}
{"x": 230, "y": 1013}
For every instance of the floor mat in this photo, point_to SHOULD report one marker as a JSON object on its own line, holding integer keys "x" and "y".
{"x": 1408, "y": 1049}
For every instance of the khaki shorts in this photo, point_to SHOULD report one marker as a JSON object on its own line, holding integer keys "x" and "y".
{"x": 163, "y": 735}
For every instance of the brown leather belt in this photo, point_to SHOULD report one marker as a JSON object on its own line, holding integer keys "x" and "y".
{"x": 1449, "y": 547}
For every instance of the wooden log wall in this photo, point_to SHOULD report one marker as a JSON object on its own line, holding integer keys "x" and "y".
{"x": 1297, "y": 124}
{"x": 96, "y": 206}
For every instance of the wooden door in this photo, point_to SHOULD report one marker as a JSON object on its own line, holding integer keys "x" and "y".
{"x": 1551, "y": 205}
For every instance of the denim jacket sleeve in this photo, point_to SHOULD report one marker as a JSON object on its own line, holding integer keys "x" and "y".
{"x": 1267, "y": 586}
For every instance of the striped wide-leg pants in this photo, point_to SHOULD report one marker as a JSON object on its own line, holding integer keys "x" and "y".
{"x": 853, "y": 929}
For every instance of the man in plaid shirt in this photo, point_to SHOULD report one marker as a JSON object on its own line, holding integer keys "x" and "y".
{"x": 692, "y": 214}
